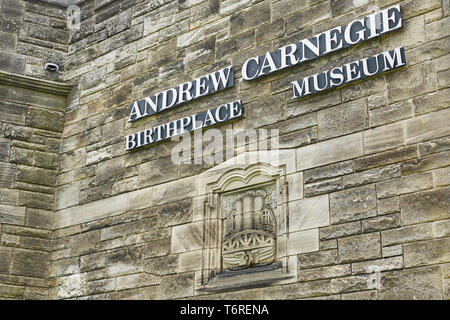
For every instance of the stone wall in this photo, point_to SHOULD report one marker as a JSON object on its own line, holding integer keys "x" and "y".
{"x": 31, "y": 123}
{"x": 365, "y": 166}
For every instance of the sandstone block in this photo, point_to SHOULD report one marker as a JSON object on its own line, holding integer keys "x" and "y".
{"x": 427, "y": 252}
{"x": 177, "y": 286}
{"x": 162, "y": 265}
{"x": 441, "y": 228}
{"x": 157, "y": 248}
{"x": 317, "y": 259}
{"x": 426, "y": 163}
{"x": 298, "y": 290}
{"x": 307, "y": 17}
{"x": 359, "y": 247}
{"x": 250, "y": 18}
{"x": 136, "y": 281}
{"x": 324, "y": 186}
{"x": 402, "y": 185}
{"x": 326, "y": 152}
{"x": 308, "y": 213}
{"x": 391, "y": 113}
{"x": 428, "y": 126}
{"x": 431, "y": 102}
{"x": 324, "y": 272}
{"x": 30, "y": 263}
{"x": 407, "y": 234}
{"x": 425, "y": 206}
{"x": 342, "y": 119}
{"x": 353, "y": 204}
{"x": 392, "y": 251}
{"x": 436, "y": 30}
{"x": 383, "y": 138}
{"x": 408, "y": 284}
{"x": 372, "y": 175}
{"x": 349, "y": 284}
{"x": 381, "y": 223}
{"x": 187, "y": 237}
{"x": 377, "y": 265}
{"x": 340, "y": 230}
{"x": 303, "y": 241}
{"x": 329, "y": 171}
{"x": 385, "y": 158}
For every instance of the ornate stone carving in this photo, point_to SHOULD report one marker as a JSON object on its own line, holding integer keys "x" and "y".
{"x": 249, "y": 228}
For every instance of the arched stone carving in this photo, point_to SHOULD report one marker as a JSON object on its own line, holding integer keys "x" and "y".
{"x": 249, "y": 227}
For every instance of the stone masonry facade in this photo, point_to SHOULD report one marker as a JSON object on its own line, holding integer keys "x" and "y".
{"x": 361, "y": 188}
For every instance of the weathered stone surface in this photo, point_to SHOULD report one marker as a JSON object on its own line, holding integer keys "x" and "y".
{"x": 411, "y": 284}
{"x": 162, "y": 265}
{"x": 407, "y": 234}
{"x": 426, "y": 163}
{"x": 441, "y": 228}
{"x": 349, "y": 284}
{"x": 30, "y": 263}
{"x": 360, "y": 295}
{"x": 329, "y": 171}
{"x": 6, "y": 174}
{"x": 385, "y": 158}
{"x": 324, "y": 186}
{"x": 45, "y": 119}
{"x": 136, "y": 281}
{"x": 100, "y": 286}
{"x": 342, "y": 119}
{"x": 5, "y": 260}
{"x": 324, "y": 272}
{"x": 36, "y": 175}
{"x": 304, "y": 241}
{"x": 36, "y": 200}
{"x": 434, "y": 146}
{"x": 187, "y": 237}
{"x": 402, "y": 185}
{"x": 340, "y": 230}
{"x": 124, "y": 261}
{"x": 425, "y": 206}
{"x": 307, "y": 17}
{"x": 91, "y": 262}
{"x": 13, "y": 113}
{"x": 431, "y": 102}
{"x": 299, "y": 138}
{"x": 250, "y": 18}
{"x": 317, "y": 259}
{"x": 157, "y": 248}
{"x": 381, "y": 223}
{"x": 360, "y": 247}
{"x": 391, "y": 113}
{"x": 353, "y": 204}
{"x": 427, "y": 252}
{"x": 298, "y": 290}
{"x": 156, "y": 172}
{"x": 326, "y": 152}
{"x": 392, "y": 251}
{"x": 308, "y": 213}
{"x": 11, "y": 62}
{"x": 380, "y": 265}
{"x": 11, "y": 292}
{"x": 436, "y": 29}
{"x": 110, "y": 170}
{"x": 177, "y": 286}
{"x": 428, "y": 126}
{"x": 383, "y": 138}
{"x": 370, "y": 176}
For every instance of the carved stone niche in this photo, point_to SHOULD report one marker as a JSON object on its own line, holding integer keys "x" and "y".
{"x": 246, "y": 237}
